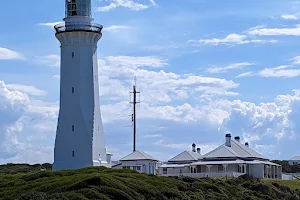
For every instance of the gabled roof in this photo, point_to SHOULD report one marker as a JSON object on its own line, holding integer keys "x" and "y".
{"x": 138, "y": 155}
{"x": 186, "y": 156}
{"x": 295, "y": 158}
{"x": 237, "y": 150}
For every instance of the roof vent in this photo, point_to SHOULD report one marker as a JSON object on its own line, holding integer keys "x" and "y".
{"x": 193, "y": 147}
{"x": 228, "y": 139}
{"x": 237, "y": 138}
{"x": 247, "y": 144}
{"x": 199, "y": 150}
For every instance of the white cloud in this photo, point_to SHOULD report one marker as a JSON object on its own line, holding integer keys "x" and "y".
{"x": 158, "y": 87}
{"x": 229, "y": 67}
{"x": 296, "y": 60}
{"x": 280, "y": 72}
{"x": 130, "y": 4}
{"x": 244, "y": 74}
{"x": 133, "y": 62}
{"x": 35, "y": 119}
{"x": 115, "y": 28}
{"x": 29, "y": 89}
{"x": 231, "y": 39}
{"x": 289, "y": 17}
{"x": 23, "y": 122}
{"x": 51, "y": 60}
{"x": 265, "y": 120}
{"x": 152, "y": 136}
{"x": 50, "y": 24}
{"x": 8, "y": 54}
{"x": 295, "y": 31}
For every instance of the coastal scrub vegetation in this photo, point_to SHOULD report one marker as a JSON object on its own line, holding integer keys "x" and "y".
{"x": 107, "y": 184}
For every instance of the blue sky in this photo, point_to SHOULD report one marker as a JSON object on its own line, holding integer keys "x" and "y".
{"x": 204, "y": 67}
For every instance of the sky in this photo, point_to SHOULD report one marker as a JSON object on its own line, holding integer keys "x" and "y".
{"x": 204, "y": 68}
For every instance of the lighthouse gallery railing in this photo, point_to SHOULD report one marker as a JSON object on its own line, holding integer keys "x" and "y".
{"x": 62, "y": 27}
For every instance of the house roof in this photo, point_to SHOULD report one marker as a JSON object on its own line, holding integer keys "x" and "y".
{"x": 237, "y": 150}
{"x": 138, "y": 155}
{"x": 295, "y": 158}
{"x": 233, "y": 162}
{"x": 186, "y": 156}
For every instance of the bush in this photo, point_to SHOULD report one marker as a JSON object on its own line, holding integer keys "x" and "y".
{"x": 108, "y": 184}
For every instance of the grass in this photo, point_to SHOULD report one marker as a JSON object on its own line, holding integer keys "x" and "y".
{"x": 294, "y": 184}
{"x": 108, "y": 184}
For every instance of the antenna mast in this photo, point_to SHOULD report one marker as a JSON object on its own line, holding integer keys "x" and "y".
{"x": 134, "y": 102}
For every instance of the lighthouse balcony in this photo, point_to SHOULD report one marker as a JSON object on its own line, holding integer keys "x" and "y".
{"x": 89, "y": 27}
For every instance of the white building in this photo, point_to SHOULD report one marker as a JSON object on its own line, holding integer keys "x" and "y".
{"x": 79, "y": 137}
{"x": 295, "y": 160}
{"x": 232, "y": 159}
{"x": 138, "y": 161}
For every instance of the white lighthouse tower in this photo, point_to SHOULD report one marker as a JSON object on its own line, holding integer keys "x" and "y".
{"x": 79, "y": 138}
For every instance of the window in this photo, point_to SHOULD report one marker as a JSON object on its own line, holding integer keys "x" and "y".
{"x": 165, "y": 170}
{"x": 138, "y": 168}
{"x": 134, "y": 168}
{"x": 73, "y": 54}
{"x": 73, "y": 127}
{"x": 220, "y": 168}
{"x": 80, "y": 8}
{"x": 73, "y": 90}
{"x": 73, "y": 153}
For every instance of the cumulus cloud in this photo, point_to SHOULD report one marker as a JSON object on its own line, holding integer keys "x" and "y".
{"x": 130, "y": 4}
{"x": 23, "y": 121}
{"x": 263, "y": 120}
{"x": 117, "y": 73}
{"x": 8, "y": 54}
{"x": 28, "y": 89}
{"x": 231, "y": 39}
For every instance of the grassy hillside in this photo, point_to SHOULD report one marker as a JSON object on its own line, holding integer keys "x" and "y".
{"x": 101, "y": 183}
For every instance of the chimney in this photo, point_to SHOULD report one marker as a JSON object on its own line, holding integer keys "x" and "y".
{"x": 237, "y": 138}
{"x": 228, "y": 139}
{"x": 247, "y": 144}
{"x": 193, "y": 147}
{"x": 199, "y": 150}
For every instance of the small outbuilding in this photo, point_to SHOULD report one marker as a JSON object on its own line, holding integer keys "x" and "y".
{"x": 138, "y": 161}
{"x": 295, "y": 160}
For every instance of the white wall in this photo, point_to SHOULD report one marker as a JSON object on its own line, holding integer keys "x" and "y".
{"x": 257, "y": 171}
{"x": 174, "y": 170}
{"x": 81, "y": 108}
{"x": 294, "y": 162}
{"x": 148, "y": 166}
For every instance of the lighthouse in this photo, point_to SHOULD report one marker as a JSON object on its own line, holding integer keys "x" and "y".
{"x": 79, "y": 138}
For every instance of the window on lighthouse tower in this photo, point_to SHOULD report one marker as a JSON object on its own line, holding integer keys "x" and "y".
{"x": 78, "y": 8}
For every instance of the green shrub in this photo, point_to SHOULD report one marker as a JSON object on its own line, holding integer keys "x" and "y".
{"x": 110, "y": 184}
